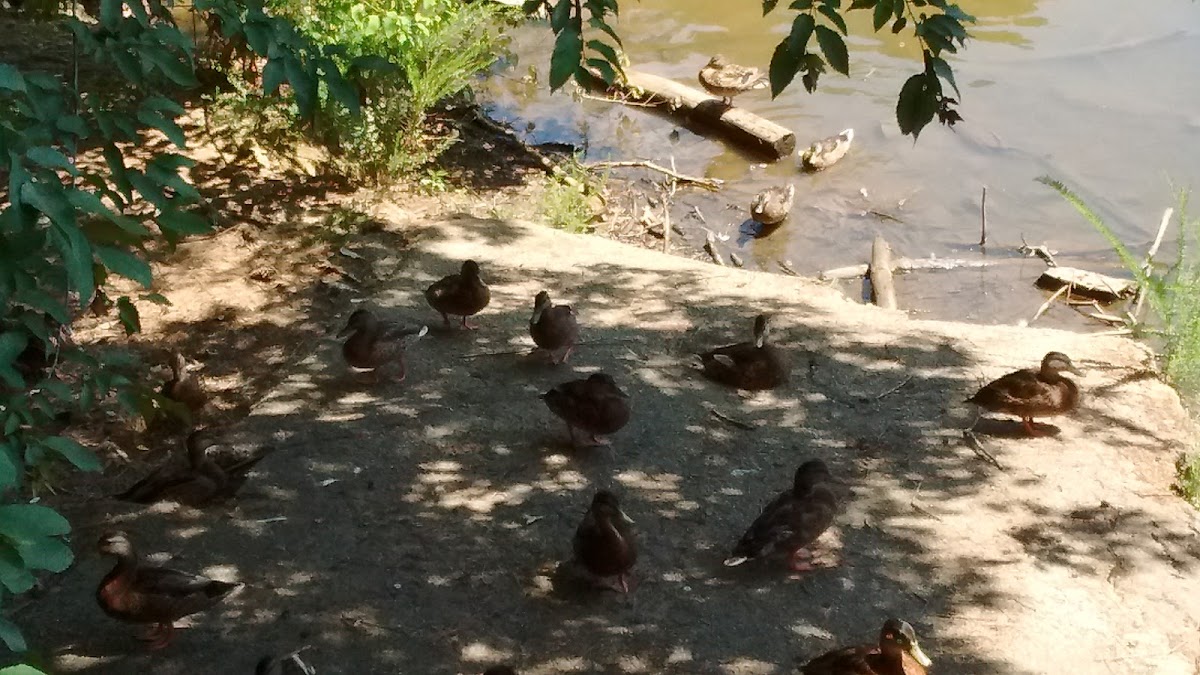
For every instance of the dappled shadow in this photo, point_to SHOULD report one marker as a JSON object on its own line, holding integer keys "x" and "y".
{"x": 419, "y": 527}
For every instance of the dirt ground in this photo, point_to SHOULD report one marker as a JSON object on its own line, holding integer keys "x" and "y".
{"x": 416, "y": 528}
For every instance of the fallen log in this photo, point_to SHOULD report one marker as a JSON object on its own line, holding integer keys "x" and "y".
{"x": 902, "y": 265}
{"x": 883, "y": 289}
{"x": 738, "y": 125}
{"x": 1087, "y": 284}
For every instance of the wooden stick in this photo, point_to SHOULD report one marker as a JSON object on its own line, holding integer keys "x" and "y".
{"x": 1046, "y": 305}
{"x": 713, "y": 184}
{"x": 904, "y": 265}
{"x": 895, "y": 388}
{"x": 710, "y": 245}
{"x": 730, "y": 420}
{"x": 1141, "y": 291}
{"x": 977, "y": 447}
{"x": 883, "y": 289}
{"x": 786, "y": 266}
{"x": 983, "y": 218}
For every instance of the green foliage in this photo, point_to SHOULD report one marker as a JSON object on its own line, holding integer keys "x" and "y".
{"x": 436, "y": 47}
{"x": 938, "y": 28}
{"x": 67, "y": 226}
{"x": 565, "y": 205}
{"x": 1173, "y": 295}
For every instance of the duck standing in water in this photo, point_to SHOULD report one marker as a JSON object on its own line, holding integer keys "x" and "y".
{"x": 554, "y": 328}
{"x": 792, "y": 521}
{"x": 725, "y": 79}
{"x": 595, "y": 404}
{"x": 1033, "y": 392}
{"x": 604, "y": 541}
{"x": 377, "y": 345}
{"x": 748, "y": 365}
{"x": 159, "y": 596}
{"x": 773, "y": 205}
{"x": 463, "y": 294}
{"x": 897, "y": 653}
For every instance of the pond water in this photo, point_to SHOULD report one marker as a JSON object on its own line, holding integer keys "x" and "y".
{"x": 1096, "y": 93}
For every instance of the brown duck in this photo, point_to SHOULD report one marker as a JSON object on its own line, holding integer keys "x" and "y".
{"x": 596, "y": 405}
{"x": 554, "y": 328}
{"x": 826, "y": 152}
{"x": 202, "y": 482}
{"x": 896, "y": 654}
{"x": 792, "y": 521}
{"x": 722, "y": 78}
{"x": 1034, "y": 392}
{"x": 748, "y": 365}
{"x": 377, "y": 345}
{"x": 153, "y": 595}
{"x": 604, "y": 541}
{"x": 773, "y": 205}
{"x": 184, "y": 386}
{"x": 463, "y": 294}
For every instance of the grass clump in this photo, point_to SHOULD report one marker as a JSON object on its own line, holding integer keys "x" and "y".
{"x": 567, "y": 203}
{"x": 1172, "y": 292}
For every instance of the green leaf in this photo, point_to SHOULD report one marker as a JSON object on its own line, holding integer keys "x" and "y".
{"x": 156, "y": 298}
{"x": 81, "y": 457}
{"x": 944, "y": 71}
{"x": 183, "y": 222}
{"x": 785, "y": 63}
{"x": 342, "y": 91}
{"x": 917, "y": 105}
{"x": 834, "y": 17}
{"x": 45, "y": 553}
{"x": 110, "y": 13}
{"x": 21, "y": 669}
{"x": 769, "y": 6}
{"x": 169, "y": 128}
{"x": 10, "y": 470}
{"x": 561, "y": 15}
{"x": 834, "y": 49}
{"x": 606, "y": 51}
{"x": 883, "y": 13}
{"x": 77, "y": 255}
{"x": 179, "y": 71}
{"x": 568, "y": 51}
{"x": 801, "y": 33}
{"x": 899, "y": 25}
{"x": 273, "y": 75}
{"x": 51, "y": 158}
{"x": 21, "y": 522}
{"x": 13, "y": 573}
{"x": 15, "y": 641}
{"x": 10, "y": 78}
{"x": 125, "y": 263}
{"x": 128, "y": 315}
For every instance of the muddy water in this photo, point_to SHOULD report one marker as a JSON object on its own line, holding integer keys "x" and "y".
{"x": 1102, "y": 94}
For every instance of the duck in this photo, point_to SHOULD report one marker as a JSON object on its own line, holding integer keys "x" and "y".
{"x": 145, "y": 594}
{"x": 604, "y": 543}
{"x": 826, "y": 152}
{"x": 463, "y": 294}
{"x": 896, "y": 654}
{"x": 554, "y": 328}
{"x": 722, "y": 78}
{"x": 753, "y": 365}
{"x": 594, "y": 404}
{"x": 288, "y": 664}
{"x": 1033, "y": 392}
{"x": 376, "y": 345}
{"x": 202, "y": 482}
{"x": 792, "y": 521}
{"x": 772, "y": 205}
{"x": 184, "y": 387}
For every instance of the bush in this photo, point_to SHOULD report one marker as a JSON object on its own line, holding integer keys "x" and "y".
{"x": 438, "y": 46}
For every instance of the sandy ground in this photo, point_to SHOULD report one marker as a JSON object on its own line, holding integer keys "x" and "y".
{"x": 416, "y": 528}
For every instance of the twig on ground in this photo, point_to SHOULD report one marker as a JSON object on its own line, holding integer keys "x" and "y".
{"x": 706, "y": 183}
{"x": 1141, "y": 291}
{"x": 923, "y": 510}
{"x": 983, "y": 218}
{"x": 973, "y": 443}
{"x": 895, "y": 388}
{"x": 1046, "y": 305}
{"x": 730, "y": 420}
{"x": 710, "y": 246}
{"x": 786, "y": 266}
{"x": 699, "y": 216}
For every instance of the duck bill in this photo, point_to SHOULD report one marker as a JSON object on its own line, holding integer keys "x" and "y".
{"x": 919, "y": 655}
{"x": 1075, "y": 370}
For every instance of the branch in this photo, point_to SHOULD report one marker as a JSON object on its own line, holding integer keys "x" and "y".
{"x": 713, "y": 184}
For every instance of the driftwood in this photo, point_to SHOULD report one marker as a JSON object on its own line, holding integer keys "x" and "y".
{"x": 740, "y": 126}
{"x": 883, "y": 289}
{"x": 1141, "y": 291}
{"x": 706, "y": 183}
{"x": 902, "y": 265}
{"x": 1087, "y": 284}
{"x": 710, "y": 246}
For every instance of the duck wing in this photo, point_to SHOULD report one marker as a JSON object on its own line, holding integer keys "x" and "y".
{"x": 603, "y": 547}
{"x": 788, "y": 522}
{"x": 1015, "y": 391}
{"x": 166, "y": 594}
{"x": 844, "y": 661}
{"x": 558, "y": 327}
{"x": 162, "y": 479}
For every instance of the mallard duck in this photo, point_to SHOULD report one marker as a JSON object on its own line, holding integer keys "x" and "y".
{"x": 463, "y": 294}
{"x": 203, "y": 481}
{"x": 604, "y": 541}
{"x": 826, "y": 152}
{"x": 554, "y": 328}
{"x": 748, "y": 365}
{"x": 896, "y": 654}
{"x": 1032, "y": 392}
{"x": 153, "y": 595}
{"x": 184, "y": 386}
{"x": 792, "y": 521}
{"x": 288, "y": 664}
{"x": 378, "y": 345}
{"x": 772, "y": 205}
{"x": 596, "y": 405}
{"x": 725, "y": 79}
